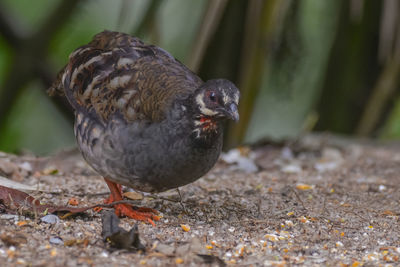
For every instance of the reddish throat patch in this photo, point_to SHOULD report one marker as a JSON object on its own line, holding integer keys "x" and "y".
{"x": 207, "y": 123}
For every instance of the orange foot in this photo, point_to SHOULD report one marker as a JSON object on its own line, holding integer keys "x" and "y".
{"x": 137, "y": 213}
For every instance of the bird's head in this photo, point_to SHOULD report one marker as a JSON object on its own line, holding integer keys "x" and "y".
{"x": 217, "y": 99}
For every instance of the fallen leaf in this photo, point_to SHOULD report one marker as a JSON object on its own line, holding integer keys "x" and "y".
{"x": 389, "y": 213}
{"x": 118, "y": 237}
{"x": 12, "y": 200}
{"x": 15, "y": 185}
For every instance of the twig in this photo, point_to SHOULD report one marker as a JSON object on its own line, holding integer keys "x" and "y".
{"x": 181, "y": 202}
{"x": 299, "y": 199}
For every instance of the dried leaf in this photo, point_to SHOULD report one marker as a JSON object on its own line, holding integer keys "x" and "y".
{"x": 118, "y": 237}
{"x": 13, "y": 200}
{"x": 388, "y": 213}
{"x": 15, "y": 185}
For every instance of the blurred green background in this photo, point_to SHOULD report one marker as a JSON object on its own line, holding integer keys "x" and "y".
{"x": 301, "y": 65}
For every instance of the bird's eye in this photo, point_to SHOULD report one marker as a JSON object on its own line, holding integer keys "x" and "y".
{"x": 212, "y": 97}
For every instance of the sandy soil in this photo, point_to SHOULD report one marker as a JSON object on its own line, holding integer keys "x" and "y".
{"x": 322, "y": 201}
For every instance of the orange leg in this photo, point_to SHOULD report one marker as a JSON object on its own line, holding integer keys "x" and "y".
{"x": 140, "y": 214}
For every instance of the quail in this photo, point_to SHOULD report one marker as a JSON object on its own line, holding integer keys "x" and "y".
{"x": 142, "y": 118}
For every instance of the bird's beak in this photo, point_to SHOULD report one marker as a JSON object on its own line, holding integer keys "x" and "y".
{"x": 232, "y": 112}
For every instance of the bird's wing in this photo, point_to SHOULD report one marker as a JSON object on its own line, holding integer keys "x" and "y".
{"x": 118, "y": 73}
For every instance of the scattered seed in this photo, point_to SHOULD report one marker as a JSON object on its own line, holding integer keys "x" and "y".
{"x": 53, "y": 252}
{"x": 185, "y": 227}
{"x": 73, "y": 201}
{"x": 303, "y": 186}
{"x": 22, "y": 223}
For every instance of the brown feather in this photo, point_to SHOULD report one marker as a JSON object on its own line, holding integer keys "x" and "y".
{"x": 118, "y": 73}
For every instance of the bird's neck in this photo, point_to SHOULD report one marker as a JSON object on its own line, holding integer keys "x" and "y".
{"x": 206, "y": 130}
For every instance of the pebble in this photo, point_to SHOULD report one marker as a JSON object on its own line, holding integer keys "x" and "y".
{"x": 165, "y": 249}
{"x": 56, "y": 240}
{"x": 50, "y": 218}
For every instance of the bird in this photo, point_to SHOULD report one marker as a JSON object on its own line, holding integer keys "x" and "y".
{"x": 142, "y": 118}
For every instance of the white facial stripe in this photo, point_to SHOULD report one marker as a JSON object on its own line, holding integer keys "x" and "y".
{"x": 199, "y": 100}
{"x": 202, "y": 106}
{"x": 208, "y": 112}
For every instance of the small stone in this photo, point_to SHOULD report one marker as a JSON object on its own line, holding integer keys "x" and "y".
{"x": 165, "y": 249}
{"x": 291, "y": 168}
{"x": 26, "y": 166}
{"x": 196, "y": 246}
{"x": 56, "y": 240}
{"x": 50, "y": 218}
{"x": 182, "y": 250}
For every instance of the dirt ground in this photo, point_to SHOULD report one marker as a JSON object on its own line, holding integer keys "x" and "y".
{"x": 321, "y": 201}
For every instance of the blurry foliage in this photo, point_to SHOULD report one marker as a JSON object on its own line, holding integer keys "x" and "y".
{"x": 334, "y": 64}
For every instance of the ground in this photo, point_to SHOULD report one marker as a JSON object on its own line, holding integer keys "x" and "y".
{"x": 319, "y": 201}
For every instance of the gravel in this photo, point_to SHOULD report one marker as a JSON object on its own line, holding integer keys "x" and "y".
{"x": 319, "y": 201}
